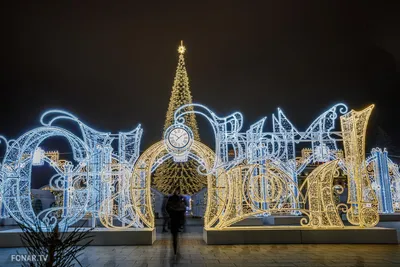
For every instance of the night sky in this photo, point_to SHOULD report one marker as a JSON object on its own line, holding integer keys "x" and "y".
{"x": 113, "y": 65}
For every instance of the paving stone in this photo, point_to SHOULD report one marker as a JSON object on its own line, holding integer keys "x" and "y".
{"x": 194, "y": 252}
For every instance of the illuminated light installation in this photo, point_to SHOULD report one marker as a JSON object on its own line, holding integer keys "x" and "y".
{"x": 322, "y": 211}
{"x": 268, "y": 162}
{"x": 99, "y": 174}
{"x": 260, "y": 179}
{"x": 255, "y": 145}
{"x": 385, "y": 180}
{"x": 248, "y": 182}
{"x": 363, "y": 209}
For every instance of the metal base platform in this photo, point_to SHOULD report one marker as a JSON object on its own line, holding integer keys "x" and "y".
{"x": 391, "y": 217}
{"x": 251, "y": 221}
{"x": 299, "y": 235}
{"x": 102, "y": 237}
{"x": 8, "y": 222}
{"x": 270, "y": 220}
{"x": 282, "y": 220}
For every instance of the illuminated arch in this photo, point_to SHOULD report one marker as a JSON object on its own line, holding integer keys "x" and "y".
{"x": 146, "y": 165}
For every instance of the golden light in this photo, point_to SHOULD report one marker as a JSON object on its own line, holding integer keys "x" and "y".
{"x": 181, "y": 48}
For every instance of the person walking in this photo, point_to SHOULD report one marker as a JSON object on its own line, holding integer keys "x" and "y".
{"x": 176, "y": 210}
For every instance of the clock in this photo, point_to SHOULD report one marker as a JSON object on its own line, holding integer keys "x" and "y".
{"x": 178, "y": 138}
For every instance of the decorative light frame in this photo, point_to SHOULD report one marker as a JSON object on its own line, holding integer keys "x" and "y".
{"x": 259, "y": 179}
{"x": 98, "y": 176}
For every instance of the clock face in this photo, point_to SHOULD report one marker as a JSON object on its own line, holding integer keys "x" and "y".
{"x": 178, "y": 137}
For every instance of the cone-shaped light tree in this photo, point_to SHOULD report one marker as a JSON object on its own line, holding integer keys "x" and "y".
{"x": 170, "y": 175}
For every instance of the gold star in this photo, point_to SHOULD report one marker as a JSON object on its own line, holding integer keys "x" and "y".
{"x": 181, "y": 48}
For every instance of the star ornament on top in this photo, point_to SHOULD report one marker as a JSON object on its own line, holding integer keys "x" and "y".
{"x": 181, "y": 48}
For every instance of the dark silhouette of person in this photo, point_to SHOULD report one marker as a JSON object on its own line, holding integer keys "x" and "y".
{"x": 176, "y": 209}
{"x": 165, "y": 214}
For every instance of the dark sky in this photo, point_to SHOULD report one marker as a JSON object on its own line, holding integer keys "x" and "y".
{"x": 113, "y": 65}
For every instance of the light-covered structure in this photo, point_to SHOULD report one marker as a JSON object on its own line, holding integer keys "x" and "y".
{"x": 385, "y": 179}
{"x": 260, "y": 178}
{"x": 97, "y": 182}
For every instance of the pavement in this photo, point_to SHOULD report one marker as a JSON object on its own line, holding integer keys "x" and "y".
{"x": 194, "y": 252}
